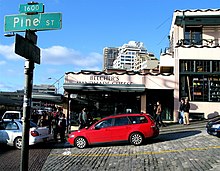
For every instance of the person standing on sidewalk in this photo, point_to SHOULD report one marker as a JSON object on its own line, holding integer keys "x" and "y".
{"x": 159, "y": 120}
{"x": 62, "y": 127}
{"x": 54, "y": 124}
{"x": 83, "y": 118}
{"x": 186, "y": 112}
{"x": 181, "y": 110}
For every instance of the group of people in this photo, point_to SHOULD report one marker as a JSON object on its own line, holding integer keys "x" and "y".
{"x": 55, "y": 121}
{"x": 184, "y": 111}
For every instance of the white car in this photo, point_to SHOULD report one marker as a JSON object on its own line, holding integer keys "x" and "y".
{"x": 11, "y": 133}
{"x": 8, "y": 115}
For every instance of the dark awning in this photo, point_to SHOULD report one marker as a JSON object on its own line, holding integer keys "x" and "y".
{"x": 197, "y": 20}
{"x": 104, "y": 87}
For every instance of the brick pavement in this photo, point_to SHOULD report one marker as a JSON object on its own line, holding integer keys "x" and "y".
{"x": 183, "y": 150}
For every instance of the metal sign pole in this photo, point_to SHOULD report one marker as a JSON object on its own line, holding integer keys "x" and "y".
{"x": 28, "y": 71}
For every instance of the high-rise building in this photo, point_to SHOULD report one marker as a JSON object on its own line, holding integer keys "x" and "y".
{"x": 134, "y": 56}
{"x": 110, "y": 54}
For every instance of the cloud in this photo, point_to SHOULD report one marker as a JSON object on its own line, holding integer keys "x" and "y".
{"x": 8, "y": 52}
{"x": 59, "y": 55}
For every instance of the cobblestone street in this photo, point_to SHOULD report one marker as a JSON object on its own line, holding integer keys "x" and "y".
{"x": 183, "y": 150}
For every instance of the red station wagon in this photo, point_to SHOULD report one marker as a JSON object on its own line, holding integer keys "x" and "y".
{"x": 134, "y": 128}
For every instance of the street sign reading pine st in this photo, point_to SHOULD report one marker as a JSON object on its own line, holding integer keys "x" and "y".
{"x": 36, "y": 22}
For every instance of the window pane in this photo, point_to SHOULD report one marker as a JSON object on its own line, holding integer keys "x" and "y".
{"x": 121, "y": 121}
{"x": 193, "y": 35}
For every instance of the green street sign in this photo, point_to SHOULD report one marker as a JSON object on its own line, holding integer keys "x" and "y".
{"x": 31, "y": 8}
{"x": 36, "y": 22}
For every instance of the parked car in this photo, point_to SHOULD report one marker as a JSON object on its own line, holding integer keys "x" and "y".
{"x": 11, "y": 133}
{"x": 134, "y": 128}
{"x": 9, "y": 115}
{"x": 213, "y": 127}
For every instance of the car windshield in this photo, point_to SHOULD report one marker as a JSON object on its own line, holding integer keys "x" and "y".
{"x": 32, "y": 124}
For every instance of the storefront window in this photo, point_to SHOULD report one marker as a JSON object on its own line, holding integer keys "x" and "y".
{"x": 200, "y": 83}
{"x": 216, "y": 66}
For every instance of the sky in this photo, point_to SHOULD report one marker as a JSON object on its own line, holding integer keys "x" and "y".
{"x": 88, "y": 26}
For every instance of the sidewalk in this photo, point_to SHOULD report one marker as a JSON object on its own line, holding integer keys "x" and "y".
{"x": 176, "y": 127}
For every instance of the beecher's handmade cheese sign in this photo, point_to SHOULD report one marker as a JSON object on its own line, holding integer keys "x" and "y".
{"x": 103, "y": 79}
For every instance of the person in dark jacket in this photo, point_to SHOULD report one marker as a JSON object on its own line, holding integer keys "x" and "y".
{"x": 186, "y": 112}
{"x": 83, "y": 119}
{"x": 62, "y": 127}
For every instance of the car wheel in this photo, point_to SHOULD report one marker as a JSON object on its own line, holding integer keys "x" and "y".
{"x": 80, "y": 142}
{"x": 136, "y": 138}
{"x": 18, "y": 142}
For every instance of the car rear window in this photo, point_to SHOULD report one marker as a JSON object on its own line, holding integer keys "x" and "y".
{"x": 11, "y": 116}
{"x": 11, "y": 126}
{"x": 8, "y": 126}
{"x": 32, "y": 124}
{"x": 138, "y": 119}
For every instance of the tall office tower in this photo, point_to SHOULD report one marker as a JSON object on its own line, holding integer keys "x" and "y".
{"x": 134, "y": 56}
{"x": 110, "y": 54}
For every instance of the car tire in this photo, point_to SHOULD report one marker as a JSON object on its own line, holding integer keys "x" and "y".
{"x": 80, "y": 142}
{"x": 136, "y": 138}
{"x": 18, "y": 143}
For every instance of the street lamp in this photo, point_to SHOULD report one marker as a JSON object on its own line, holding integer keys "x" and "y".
{"x": 56, "y": 81}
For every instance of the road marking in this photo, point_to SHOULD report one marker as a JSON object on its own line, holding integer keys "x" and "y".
{"x": 138, "y": 153}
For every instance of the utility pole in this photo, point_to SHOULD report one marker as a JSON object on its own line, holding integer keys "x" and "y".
{"x": 28, "y": 71}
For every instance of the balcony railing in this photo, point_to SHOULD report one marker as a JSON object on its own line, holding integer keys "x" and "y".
{"x": 203, "y": 42}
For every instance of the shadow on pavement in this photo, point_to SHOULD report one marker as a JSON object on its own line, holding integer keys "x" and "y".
{"x": 174, "y": 135}
{"x": 5, "y": 148}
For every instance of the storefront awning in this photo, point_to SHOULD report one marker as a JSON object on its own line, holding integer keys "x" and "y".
{"x": 48, "y": 97}
{"x": 73, "y": 87}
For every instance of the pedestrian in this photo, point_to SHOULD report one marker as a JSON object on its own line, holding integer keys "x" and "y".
{"x": 50, "y": 118}
{"x": 62, "y": 127}
{"x": 42, "y": 122}
{"x": 34, "y": 117}
{"x": 83, "y": 118}
{"x": 159, "y": 120}
{"x": 186, "y": 112}
{"x": 181, "y": 111}
{"x": 54, "y": 124}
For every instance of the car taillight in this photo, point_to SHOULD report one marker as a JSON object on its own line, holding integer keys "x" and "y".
{"x": 34, "y": 133}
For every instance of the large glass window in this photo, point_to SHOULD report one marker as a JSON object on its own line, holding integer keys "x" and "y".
{"x": 199, "y": 80}
{"x": 193, "y": 35}
{"x": 196, "y": 66}
{"x": 216, "y": 66}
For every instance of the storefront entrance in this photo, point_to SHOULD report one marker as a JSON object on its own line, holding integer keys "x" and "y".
{"x": 166, "y": 98}
{"x": 101, "y": 104}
